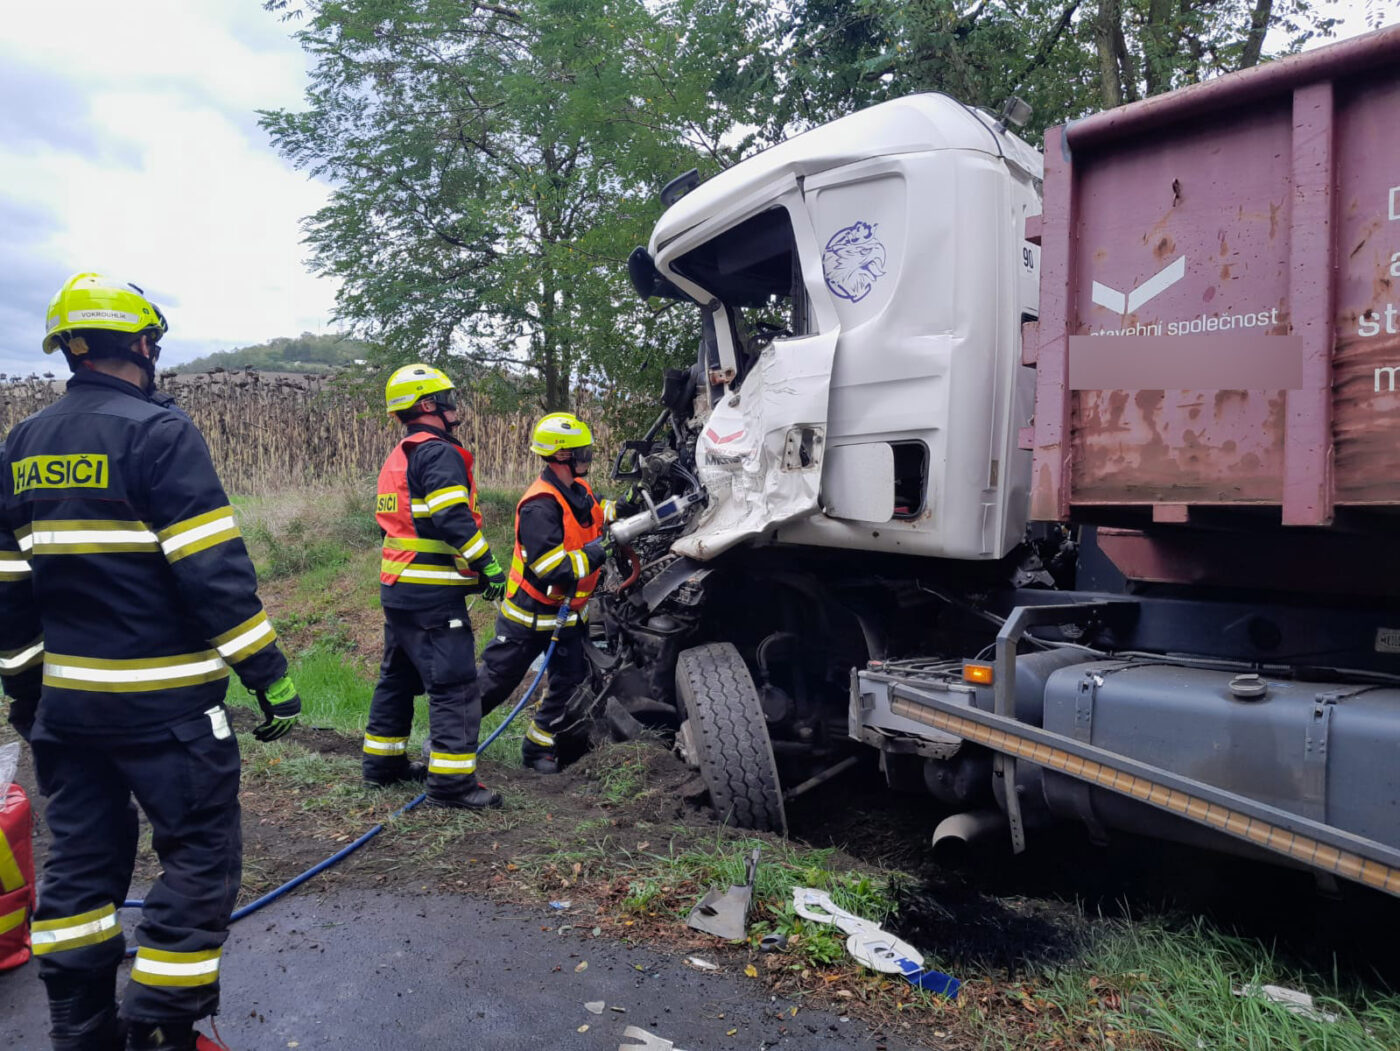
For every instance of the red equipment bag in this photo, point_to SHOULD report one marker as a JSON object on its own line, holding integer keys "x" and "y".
{"x": 16, "y": 877}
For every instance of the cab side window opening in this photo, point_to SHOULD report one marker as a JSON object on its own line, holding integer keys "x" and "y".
{"x": 754, "y": 270}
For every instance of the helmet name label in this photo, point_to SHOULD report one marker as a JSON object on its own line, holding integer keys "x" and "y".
{"x": 387, "y": 504}
{"x": 77, "y": 317}
{"x": 73, "y": 471}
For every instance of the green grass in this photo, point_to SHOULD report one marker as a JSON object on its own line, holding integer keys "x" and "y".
{"x": 1145, "y": 983}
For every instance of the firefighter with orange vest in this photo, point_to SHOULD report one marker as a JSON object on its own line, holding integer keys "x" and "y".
{"x": 560, "y": 547}
{"x": 434, "y": 556}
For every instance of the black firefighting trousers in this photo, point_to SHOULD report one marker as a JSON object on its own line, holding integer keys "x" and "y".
{"x": 426, "y": 650}
{"x": 187, "y": 785}
{"x": 507, "y": 658}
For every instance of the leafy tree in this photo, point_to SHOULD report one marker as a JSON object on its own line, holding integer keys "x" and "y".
{"x": 493, "y": 166}
{"x": 1065, "y": 57}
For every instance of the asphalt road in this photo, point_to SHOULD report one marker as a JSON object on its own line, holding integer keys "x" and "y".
{"x": 361, "y": 970}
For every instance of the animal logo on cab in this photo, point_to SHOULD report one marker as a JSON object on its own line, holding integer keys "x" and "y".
{"x": 853, "y": 260}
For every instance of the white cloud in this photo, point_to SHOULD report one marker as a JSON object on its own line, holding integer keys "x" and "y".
{"x": 130, "y": 147}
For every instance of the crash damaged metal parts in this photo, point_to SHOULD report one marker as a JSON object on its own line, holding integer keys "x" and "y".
{"x": 725, "y": 913}
{"x": 870, "y": 945}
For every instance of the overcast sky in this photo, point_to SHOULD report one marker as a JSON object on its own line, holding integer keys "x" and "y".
{"x": 129, "y": 145}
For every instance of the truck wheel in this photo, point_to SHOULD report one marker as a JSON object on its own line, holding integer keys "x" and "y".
{"x": 730, "y": 736}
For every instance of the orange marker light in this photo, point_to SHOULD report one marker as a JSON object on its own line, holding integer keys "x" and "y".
{"x": 978, "y": 674}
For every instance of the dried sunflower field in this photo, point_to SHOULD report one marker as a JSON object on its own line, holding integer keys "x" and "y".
{"x": 275, "y": 431}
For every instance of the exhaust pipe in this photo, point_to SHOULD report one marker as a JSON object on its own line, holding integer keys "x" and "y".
{"x": 955, "y": 834}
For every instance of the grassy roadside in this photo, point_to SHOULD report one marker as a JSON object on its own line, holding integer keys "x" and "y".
{"x": 614, "y": 837}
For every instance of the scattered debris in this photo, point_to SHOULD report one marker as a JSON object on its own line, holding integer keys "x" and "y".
{"x": 871, "y": 946}
{"x": 701, "y": 965}
{"x": 582, "y": 966}
{"x": 560, "y": 905}
{"x": 595, "y": 1007}
{"x": 725, "y": 913}
{"x": 1295, "y": 1001}
{"x": 645, "y": 1041}
{"x": 773, "y": 943}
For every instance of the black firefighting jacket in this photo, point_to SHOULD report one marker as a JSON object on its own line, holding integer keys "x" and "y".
{"x": 125, "y": 587}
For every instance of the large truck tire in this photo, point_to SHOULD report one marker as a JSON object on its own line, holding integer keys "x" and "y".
{"x": 730, "y": 737}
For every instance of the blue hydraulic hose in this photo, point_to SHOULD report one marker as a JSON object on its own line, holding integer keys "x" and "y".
{"x": 350, "y": 848}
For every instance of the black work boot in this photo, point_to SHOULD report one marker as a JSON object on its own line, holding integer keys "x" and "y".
{"x": 404, "y": 774}
{"x": 473, "y": 797}
{"x": 541, "y": 763}
{"x": 83, "y": 1013}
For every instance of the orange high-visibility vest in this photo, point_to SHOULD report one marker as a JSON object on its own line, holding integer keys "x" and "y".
{"x": 395, "y": 512}
{"x": 575, "y": 536}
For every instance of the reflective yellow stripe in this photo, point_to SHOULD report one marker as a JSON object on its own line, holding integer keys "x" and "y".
{"x": 420, "y": 510}
{"x": 73, "y": 932}
{"x": 475, "y": 548}
{"x": 448, "y": 496}
{"x": 128, "y": 676}
{"x": 10, "y": 920}
{"x": 413, "y": 543}
{"x": 544, "y": 622}
{"x": 580, "y": 564}
{"x": 198, "y": 533}
{"x": 159, "y": 967}
{"x": 23, "y": 538}
{"x": 77, "y": 536}
{"x": 12, "y": 661}
{"x": 451, "y": 762}
{"x": 549, "y": 560}
{"x": 14, "y": 566}
{"x": 539, "y": 735}
{"x": 426, "y": 574}
{"x": 248, "y": 638}
{"x": 385, "y": 745}
{"x": 11, "y": 878}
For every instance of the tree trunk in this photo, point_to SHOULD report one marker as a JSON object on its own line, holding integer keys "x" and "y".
{"x": 1258, "y": 27}
{"x": 1106, "y": 34}
{"x": 1158, "y": 47}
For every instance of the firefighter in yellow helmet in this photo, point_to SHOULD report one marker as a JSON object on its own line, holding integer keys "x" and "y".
{"x": 560, "y": 548}
{"x": 434, "y": 557}
{"x": 126, "y": 597}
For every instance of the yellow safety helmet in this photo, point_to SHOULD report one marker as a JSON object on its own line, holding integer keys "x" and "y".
{"x": 91, "y": 301}
{"x": 559, "y": 431}
{"x": 412, "y": 382}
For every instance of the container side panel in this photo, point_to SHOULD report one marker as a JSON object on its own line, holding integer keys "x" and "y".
{"x": 1185, "y": 234}
{"x": 1366, "y": 365}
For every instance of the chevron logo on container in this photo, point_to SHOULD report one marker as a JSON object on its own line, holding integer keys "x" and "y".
{"x": 1126, "y": 303}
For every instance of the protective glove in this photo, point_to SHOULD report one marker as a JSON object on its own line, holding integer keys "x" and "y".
{"x": 280, "y": 704}
{"x": 600, "y": 550}
{"x": 495, "y": 578}
{"x": 631, "y": 501}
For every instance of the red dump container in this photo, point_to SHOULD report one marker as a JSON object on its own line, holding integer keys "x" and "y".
{"x": 1220, "y": 296}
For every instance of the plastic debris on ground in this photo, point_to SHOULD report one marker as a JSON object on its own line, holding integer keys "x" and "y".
{"x": 871, "y": 946}
{"x": 560, "y": 904}
{"x": 701, "y": 965}
{"x": 1295, "y": 1001}
{"x": 596, "y": 1007}
{"x": 725, "y": 913}
{"x": 645, "y": 1041}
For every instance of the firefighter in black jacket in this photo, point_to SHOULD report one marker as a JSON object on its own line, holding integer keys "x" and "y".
{"x": 560, "y": 548}
{"x": 126, "y": 595}
{"x": 434, "y": 555}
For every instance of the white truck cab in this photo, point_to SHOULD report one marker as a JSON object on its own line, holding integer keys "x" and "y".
{"x": 864, "y": 285}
